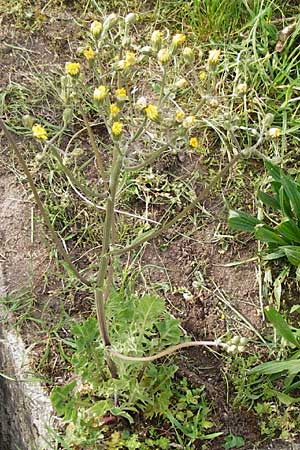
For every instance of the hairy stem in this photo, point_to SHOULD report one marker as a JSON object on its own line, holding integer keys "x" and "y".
{"x": 167, "y": 352}
{"x": 104, "y": 258}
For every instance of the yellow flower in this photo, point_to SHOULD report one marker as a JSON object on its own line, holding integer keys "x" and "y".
{"x": 117, "y": 128}
{"x": 73, "y": 69}
{"x": 194, "y": 142}
{"x": 274, "y": 133}
{"x": 178, "y": 39}
{"x": 156, "y": 37}
{"x": 163, "y": 55}
{"x": 39, "y": 132}
{"x": 189, "y": 121}
{"x": 180, "y": 84}
{"x": 89, "y": 53}
{"x": 114, "y": 110}
{"x": 100, "y": 93}
{"x": 213, "y": 56}
{"x": 202, "y": 75}
{"x": 179, "y": 116}
{"x": 121, "y": 94}
{"x": 151, "y": 112}
{"x": 129, "y": 59}
{"x": 96, "y": 28}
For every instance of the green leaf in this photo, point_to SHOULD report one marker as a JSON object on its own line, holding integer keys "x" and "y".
{"x": 116, "y": 411}
{"x": 232, "y": 441}
{"x": 263, "y": 234}
{"x": 279, "y": 253}
{"x": 281, "y": 325}
{"x": 292, "y": 253}
{"x": 289, "y": 230}
{"x": 60, "y": 396}
{"x": 274, "y": 171}
{"x": 268, "y": 200}
{"x": 284, "y": 398}
{"x": 100, "y": 408}
{"x": 272, "y": 367}
{"x": 285, "y": 205}
{"x": 292, "y": 190}
{"x": 242, "y": 221}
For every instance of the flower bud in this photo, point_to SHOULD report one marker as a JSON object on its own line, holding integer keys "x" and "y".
{"x": 67, "y": 115}
{"x": 182, "y": 83}
{"x": 130, "y": 18}
{"x": 146, "y": 50}
{"x": 141, "y": 103}
{"x": 28, "y": 121}
{"x": 163, "y": 55}
{"x": 109, "y": 22}
{"x": 241, "y": 88}
{"x": 268, "y": 120}
{"x": 188, "y": 54}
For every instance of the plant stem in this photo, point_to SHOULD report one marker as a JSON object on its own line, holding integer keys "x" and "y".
{"x": 54, "y": 236}
{"x": 168, "y": 351}
{"x": 104, "y": 258}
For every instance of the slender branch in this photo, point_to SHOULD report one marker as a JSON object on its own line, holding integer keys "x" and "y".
{"x": 203, "y": 194}
{"x": 72, "y": 179}
{"x": 56, "y": 239}
{"x": 99, "y": 161}
{"x": 167, "y": 352}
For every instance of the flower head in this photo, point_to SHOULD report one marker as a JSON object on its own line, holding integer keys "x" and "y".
{"x": 181, "y": 83}
{"x": 117, "y": 128}
{"x": 39, "y": 132}
{"x": 114, "y": 110}
{"x": 100, "y": 93}
{"x": 178, "y": 39}
{"x": 213, "y": 56}
{"x": 194, "y": 142}
{"x": 73, "y": 69}
{"x": 163, "y": 55}
{"x": 121, "y": 94}
{"x": 202, "y": 75}
{"x": 130, "y": 59}
{"x": 156, "y": 38}
{"x": 96, "y": 28}
{"x": 151, "y": 112}
{"x": 274, "y": 133}
{"x": 179, "y": 116}
{"x": 89, "y": 53}
{"x": 189, "y": 121}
